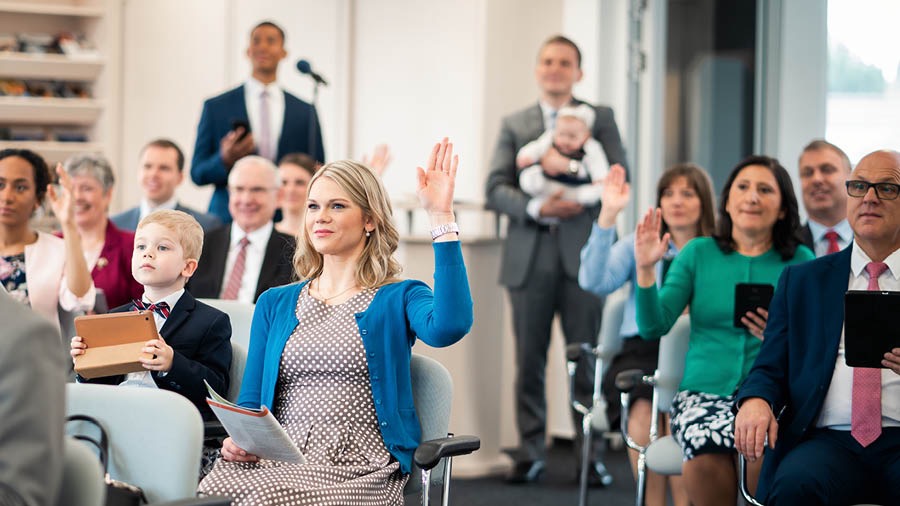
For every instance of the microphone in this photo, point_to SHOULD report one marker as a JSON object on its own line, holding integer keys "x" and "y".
{"x": 305, "y": 68}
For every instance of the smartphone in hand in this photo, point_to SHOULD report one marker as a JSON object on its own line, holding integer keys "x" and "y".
{"x": 242, "y": 124}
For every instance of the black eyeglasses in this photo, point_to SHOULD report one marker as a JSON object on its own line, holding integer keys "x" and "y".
{"x": 885, "y": 191}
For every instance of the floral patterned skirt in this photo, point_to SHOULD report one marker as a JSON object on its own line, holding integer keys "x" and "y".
{"x": 703, "y": 423}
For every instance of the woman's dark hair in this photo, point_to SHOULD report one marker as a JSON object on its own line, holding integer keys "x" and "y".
{"x": 698, "y": 179}
{"x": 302, "y": 160}
{"x": 785, "y": 233}
{"x": 38, "y": 166}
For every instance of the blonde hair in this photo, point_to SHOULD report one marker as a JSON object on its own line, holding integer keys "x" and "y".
{"x": 376, "y": 265}
{"x": 185, "y": 227}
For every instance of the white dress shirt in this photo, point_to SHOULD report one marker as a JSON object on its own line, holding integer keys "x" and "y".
{"x": 256, "y": 251}
{"x": 252, "y": 91}
{"x": 836, "y": 410}
{"x": 820, "y": 243}
{"x": 147, "y": 208}
{"x": 144, "y": 379}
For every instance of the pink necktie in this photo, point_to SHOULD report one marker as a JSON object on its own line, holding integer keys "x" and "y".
{"x": 865, "y": 410}
{"x": 833, "y": 246}
{"x": 265, "y": 144}
{"x": 237, "y": 272}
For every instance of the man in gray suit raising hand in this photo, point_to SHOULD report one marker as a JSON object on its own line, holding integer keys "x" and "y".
{"x": 541, "y": 253}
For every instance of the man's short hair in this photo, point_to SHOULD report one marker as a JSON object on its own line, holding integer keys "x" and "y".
{"x": 257, "y": 160}
{"x": 187, "y": 230}
{"x": 820, "y": 144}
{"x": 167, "y": 144}
{"x": 560, "y": 39}
{"x": 271, "y": 24}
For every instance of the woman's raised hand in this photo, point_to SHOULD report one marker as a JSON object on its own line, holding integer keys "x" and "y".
{"x": 438, "y": 179}
{"x": 61, "y": 200}
{"x": 649, "y": 247}
{"x": 616, "y": 193}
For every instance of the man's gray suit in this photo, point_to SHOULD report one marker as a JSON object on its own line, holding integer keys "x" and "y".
{"x": 128, "y": 220}
{"x": 32, "y": 406}
{"x": 540, "y": 270}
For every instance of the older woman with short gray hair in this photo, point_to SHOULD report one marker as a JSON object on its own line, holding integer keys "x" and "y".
{"x": 107, "y": 249}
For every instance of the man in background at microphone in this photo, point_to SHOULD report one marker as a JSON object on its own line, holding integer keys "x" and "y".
{"x": 256, "y": 117}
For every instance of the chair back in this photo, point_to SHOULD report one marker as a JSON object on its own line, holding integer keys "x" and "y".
{"x": 241, "y": 315}
{"x": 432, "y": 388}
{"x": 236, "y": 373}
{"x": 82, "y": 480}
{"x": 672, "y": 351}
{"x": 155, "y": 436}
{"x": 609, "y": 342}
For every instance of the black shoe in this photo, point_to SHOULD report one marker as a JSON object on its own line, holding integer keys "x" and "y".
{"x": 598, "y": 476}
{"x": 526, "y": 472}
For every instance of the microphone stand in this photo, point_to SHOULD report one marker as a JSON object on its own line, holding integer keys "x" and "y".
{"x": 314, "y": 124}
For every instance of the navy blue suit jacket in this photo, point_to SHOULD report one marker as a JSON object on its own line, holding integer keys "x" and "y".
{"x": 201, "y": 337}
{"x": 795, "y": 364}
{"x": 128, "y": 220}
{"x": 215, "y": 122}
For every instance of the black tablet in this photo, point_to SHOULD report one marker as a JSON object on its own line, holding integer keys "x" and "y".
{"x": 870, "y": 326}
{"x": 748, "y": 297}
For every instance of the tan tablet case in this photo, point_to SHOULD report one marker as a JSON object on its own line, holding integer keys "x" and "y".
{"x": 114, "y": 342}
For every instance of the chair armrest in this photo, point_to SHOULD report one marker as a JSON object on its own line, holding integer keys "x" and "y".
{"x": 627, "y": 380}
{"x": 214, "y": 430}
{"x": 198, "y": 501}
{"x": 430, "y": 453}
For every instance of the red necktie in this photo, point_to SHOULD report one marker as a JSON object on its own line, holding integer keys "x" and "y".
{"x": 237, "y": 272}
{"x": 865, "y": 408}
{"x": 833, "y": 246}
{"x": 161, "y": 308}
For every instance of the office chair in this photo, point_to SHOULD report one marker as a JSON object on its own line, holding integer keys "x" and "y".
{"x": 82, "y": 480}
{"x": 661, "y": 455}
{"x": 594, "y": 419}
{"x": 164, "y": 468}
{"x": 241, "y": 316}
{"x": 432, "y": 388}
{"x": 213, "y": 430}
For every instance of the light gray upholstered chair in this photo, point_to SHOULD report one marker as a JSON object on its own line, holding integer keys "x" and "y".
{"x": 241, "y": 316}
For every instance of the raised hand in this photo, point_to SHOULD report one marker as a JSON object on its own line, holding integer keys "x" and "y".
{"x": 437, "y": 180}
{"x": 379, "y": 160}
{"x": 61, "y": 200}
{"x": 616, "y": 194}
{"x": 649, "y": 247}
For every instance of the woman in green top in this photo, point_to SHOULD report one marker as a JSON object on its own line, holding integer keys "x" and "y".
{"x": 756, "y": 237}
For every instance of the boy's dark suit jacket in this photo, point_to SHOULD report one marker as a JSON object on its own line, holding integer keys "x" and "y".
{"x": 201, "y": 337}
{"x": 277, "y": 266}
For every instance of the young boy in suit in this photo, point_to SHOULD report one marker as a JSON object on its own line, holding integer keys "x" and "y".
{"x": 194, "y": 341}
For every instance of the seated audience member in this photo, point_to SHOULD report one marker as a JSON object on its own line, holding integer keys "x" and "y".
{"x": 684, "y": 196}
{"x": 571, "y": 137}
{"x": 823, "y": 169}
{"x": 838, "y": 435}
{"x": 295, "y": 171}
{"x": 195, "y": 339}
{"x": 32, "y": 407}
{"x": 37, "y": 269}
{"x": 756, "y": 238}
{"x": 244, "y": 259}
{"x": 330, "y": 356}
{"x": 161, "y": 171}
{"x": 107, "y": 249}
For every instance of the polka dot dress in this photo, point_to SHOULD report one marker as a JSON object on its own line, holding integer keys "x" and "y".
{"x": 324, "y": 401}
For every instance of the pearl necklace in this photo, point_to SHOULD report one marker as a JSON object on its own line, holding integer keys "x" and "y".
{"x": 326, "y": 299}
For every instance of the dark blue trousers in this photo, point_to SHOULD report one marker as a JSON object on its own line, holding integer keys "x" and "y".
{"x": 830, "y": 468}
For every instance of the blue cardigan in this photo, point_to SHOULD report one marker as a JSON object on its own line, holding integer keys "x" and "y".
{"x": 399, "y": 313}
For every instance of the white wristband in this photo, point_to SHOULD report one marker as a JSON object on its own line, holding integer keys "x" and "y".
{"x": 446, "y": 228}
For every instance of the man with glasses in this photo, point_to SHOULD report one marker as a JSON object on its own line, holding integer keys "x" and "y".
{"x": 823, "y": 169}
{"x": 244, "y": 259}
{"x": 837, "y": 438}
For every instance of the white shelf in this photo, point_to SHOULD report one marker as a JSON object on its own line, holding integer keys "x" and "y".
{"x": 54, "y": 151}
{"x": 49, "y": 66}
{"x": 52, "y": 9}
{"x": 49, "y": 111}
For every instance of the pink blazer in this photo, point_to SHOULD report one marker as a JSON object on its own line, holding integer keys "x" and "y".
{"x": 45, "y": 272}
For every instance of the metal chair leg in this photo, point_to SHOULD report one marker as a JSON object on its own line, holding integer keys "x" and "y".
{"x": 426, "y": 486}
